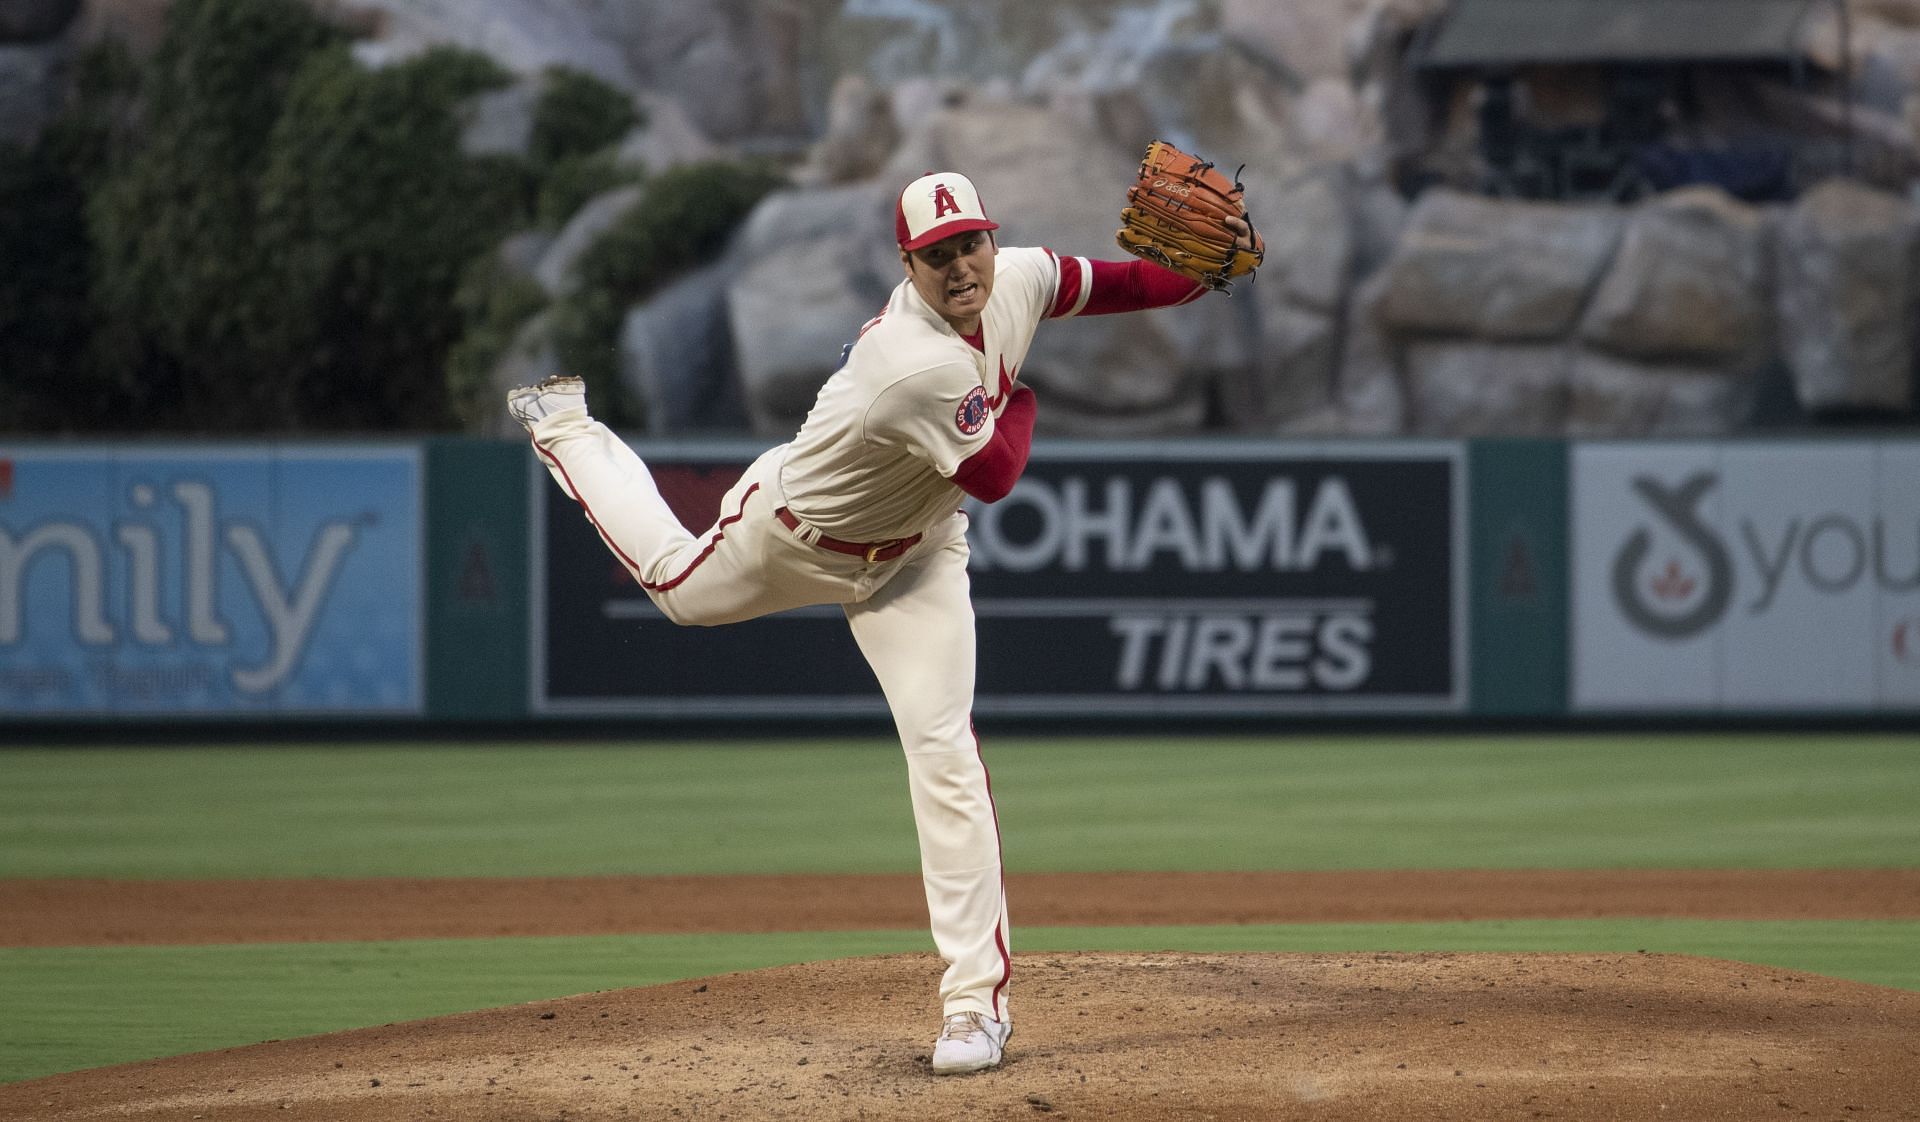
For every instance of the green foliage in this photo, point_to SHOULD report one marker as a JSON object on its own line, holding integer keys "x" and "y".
{"x": 578, "y": 114}
{"x": 276, "y": 233}
{"x": 684, "y": 219}
{"x": 576, "y": 120}
{"x": 369, "y": 214}
{"x": 172, "y": 223}
{"x": 48, "y": 322}
{"x": 44, "y": 310}
{"x": 573, "y": 181}
{"x": 100, "y": 116}
{"x": 248, "y": 232}
{"x": 47, "y": 316}
{"x": 494, "y": 302}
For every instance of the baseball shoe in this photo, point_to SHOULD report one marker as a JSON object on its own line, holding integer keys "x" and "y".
{"x": 969, "y": 1042}
{"x": 532, "y": 404}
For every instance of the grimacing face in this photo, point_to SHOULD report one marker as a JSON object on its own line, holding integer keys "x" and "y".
{"x": 954, "y": 276}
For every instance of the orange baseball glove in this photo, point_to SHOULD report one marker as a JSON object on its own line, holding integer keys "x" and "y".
{"x": 1175, "y": 217}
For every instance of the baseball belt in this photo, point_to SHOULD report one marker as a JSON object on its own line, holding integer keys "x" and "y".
{"x": 873, "y": 552}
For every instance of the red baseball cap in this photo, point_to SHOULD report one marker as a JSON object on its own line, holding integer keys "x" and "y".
{"x": 938, "y": 205}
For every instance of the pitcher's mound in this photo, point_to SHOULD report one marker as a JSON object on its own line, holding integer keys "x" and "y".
{"x": 1099, "y": 1036}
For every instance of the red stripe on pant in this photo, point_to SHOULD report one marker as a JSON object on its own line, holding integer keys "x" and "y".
{"x": 574, "y": 493}
{"x": 720, "y": 529}
{"x": 999, "y": 936}
{"x": 664, "y": 586}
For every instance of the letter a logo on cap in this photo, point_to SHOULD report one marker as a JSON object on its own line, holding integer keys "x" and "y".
{"x": 943, "y": 203}
{"x": 938, "y": 205}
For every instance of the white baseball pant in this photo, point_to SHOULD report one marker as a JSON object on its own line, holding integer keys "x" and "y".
{"x": 912, "y": 618}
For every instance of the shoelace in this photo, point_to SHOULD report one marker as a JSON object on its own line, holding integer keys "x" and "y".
{"x": 961, "y": 1026}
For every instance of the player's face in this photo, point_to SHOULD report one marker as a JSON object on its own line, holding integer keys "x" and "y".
{"x": 955, "y": 276}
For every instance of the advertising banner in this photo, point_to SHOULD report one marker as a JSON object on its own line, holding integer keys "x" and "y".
{"x": 1751, "y": 576}
{"x": 1147, "y": 580}
{"x": 185, "y": 581}
{"x": 602, "y": 648}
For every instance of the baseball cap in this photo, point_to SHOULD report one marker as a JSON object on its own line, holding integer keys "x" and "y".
{"x": 938, "y": 205}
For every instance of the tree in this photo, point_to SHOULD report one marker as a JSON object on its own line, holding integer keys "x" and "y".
{"x": 173, "y": 224}
{"x": 369, "y": 216}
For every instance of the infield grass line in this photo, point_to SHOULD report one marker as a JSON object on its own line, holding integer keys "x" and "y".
{"x": 77, "y": 1007}
{"x": 1066, "y": 805}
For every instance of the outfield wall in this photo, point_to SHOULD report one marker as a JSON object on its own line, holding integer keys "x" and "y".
{"x": 449, "y": 580}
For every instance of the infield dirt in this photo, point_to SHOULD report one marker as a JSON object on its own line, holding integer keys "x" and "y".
{"x": 1098, "y": 1035}
{"x": 55, "y": 913}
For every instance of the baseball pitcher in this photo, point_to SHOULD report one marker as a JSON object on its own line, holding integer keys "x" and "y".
{"x": 862, "y": 509}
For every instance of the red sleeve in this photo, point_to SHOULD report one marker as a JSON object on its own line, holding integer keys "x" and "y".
{"x": 1098, "y": 288}
{"x": 990, "y": 473}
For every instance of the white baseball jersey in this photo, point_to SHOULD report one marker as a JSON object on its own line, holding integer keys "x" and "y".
{"x": 913, "y": 400}
{"x": 873, "y": 462}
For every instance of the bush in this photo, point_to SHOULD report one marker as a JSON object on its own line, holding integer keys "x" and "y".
{"x": 369, "y": 216}
{"x": 45, "y": 318}
{"x": 577, "y": 115}
{"x": 51, "y": 382}
{"x": 685, "y": 218}
{"x": 278, "y": 247}
{"x": 577, "y": 179}
{"x": 173, "y": 221}
{"x": 493, "y": 303}
{"x": 249, "y": 232}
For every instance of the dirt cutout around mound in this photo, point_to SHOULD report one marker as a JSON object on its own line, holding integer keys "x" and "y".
{"x": 1098, "y": 1036}
{"x": 57, "y": 912}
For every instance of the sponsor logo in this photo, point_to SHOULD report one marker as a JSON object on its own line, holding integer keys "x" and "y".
{"x": 1674, "y": 603}
{"x": 288, "y": 609}
{"x": 1689, "y": 584}
{"x": 1173, "y": 187}
{"x": 973, "y": 411}
{"x": 1168, "y": 583}
{"x": 1288, "y": 651}
{"x": 1205, "y": 531}
{"x": 1266, "y": 582}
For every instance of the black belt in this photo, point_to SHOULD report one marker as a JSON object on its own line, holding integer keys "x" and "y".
{"x": 873, "y": 552}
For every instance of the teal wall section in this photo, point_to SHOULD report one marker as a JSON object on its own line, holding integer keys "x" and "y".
{"x": 476, "y": 584}
{"x": 1517, "y": 573}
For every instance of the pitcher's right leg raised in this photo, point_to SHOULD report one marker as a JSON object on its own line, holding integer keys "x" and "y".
{"x": 597, "y": 470}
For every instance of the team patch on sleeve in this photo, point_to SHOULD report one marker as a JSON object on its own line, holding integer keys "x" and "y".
{"x": 973, "y": 410}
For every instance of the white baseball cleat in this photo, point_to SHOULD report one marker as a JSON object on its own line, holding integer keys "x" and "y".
{"x": 532, "y": 404}
{"x": 969, "y": 1042}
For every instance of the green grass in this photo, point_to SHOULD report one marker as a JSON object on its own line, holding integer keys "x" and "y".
{"x": 72, "y": 1008}
{"x": 1779, "y": 801}
{"x": 807, "y": 806}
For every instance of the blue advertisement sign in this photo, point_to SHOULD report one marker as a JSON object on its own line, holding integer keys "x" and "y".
{"x": 229, "y": 581}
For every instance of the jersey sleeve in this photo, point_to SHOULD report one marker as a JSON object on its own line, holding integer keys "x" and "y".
{"x": 1099, "y": 288}
{"x": 1073, "y": 285}
{"x": 940, "y": 414}
{"x": 1027, "y": 282}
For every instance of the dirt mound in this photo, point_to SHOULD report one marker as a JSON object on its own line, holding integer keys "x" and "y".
{"x": 1099, "y": 1036}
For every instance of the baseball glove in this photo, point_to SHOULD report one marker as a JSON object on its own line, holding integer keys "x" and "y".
{"x": 1175, "y": 217}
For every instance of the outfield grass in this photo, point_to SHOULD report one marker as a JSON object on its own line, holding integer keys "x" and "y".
{"x": 72, "y": 1008}
{"x": 1787, "y": 801}
{"x": 1732, "y": 801}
